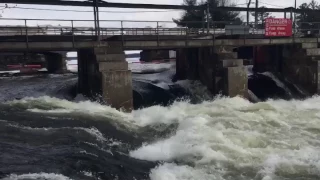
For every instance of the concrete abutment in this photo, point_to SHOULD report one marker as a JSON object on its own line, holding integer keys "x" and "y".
{"x": 103, "y": 73}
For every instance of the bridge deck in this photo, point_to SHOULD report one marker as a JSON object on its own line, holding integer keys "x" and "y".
{"x": 136, "y": 42}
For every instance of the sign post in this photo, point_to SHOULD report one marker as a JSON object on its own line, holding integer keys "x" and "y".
{"x": 278, "y": 27}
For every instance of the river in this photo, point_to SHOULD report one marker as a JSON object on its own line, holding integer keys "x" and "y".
{"x": 45, "y": 133}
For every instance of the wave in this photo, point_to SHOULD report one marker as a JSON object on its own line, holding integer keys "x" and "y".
{"x": 47, "y": 176}
{"x": 273, "y": 139}
{"x": 94, "y": 132}
{"x": 55, "y": 105}
{"x": 220, "y": 139}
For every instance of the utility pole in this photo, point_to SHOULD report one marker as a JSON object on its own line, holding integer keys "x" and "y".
{"x": 256, "y": 14}
{"x": 96, "y": 19}
{"x": 248, "y": 12}
{"x": 294, "y": 21}
{"x": 208, "y": 17}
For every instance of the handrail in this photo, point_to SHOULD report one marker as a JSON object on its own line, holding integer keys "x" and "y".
{"x": 112, "y": 20}
{"x": 27, "y": 32}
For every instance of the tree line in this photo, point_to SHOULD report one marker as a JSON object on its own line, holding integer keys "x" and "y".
{"x": 199, "y": 18}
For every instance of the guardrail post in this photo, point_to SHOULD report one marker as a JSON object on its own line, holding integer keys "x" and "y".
{"x": 157, "y": 33}
{"x": 72, "y": 31}
{"x": 203, "y": 26}
{"x": 245, "y": 34}
{"x": 27, "y": 38}
{"x": 214, "y": 30}
{"x": 187, "y": 34}
{"x": 122, "y": 38}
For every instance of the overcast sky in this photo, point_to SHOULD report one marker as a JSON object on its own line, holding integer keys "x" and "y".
{"x": 150, "y": 16}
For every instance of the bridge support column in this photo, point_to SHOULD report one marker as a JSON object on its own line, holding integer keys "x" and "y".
{"x": 230, "y": 75}
{"x": 103, "y": 73}
{"x": 187, "y": 63}
{"x": 220, "y": 71}
{"x": 181, "y": 64}
{"x": 56, "y": 62}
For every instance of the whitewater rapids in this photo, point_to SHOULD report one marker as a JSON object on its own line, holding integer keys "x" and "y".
{"x": 222, "y": 139}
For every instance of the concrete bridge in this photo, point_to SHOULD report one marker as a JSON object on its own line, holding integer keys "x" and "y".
{"x": 213, "y": 56}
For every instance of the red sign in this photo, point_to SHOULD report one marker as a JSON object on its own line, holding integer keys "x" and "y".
{"x": 278, "y": 27}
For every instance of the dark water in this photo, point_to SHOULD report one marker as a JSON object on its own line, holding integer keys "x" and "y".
{"x": 71, "y": 145}
{"x": 52, "y": 135}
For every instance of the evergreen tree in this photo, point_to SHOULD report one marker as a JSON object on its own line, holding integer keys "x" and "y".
{"x": 191, "y": 18}
{"x": 309, "y": 21}
{"x": 261, "y": 16}
{"x": 201, "y": 15}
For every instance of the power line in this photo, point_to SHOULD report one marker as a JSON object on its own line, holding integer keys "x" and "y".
{"x": 66, "y": 10}
{"x": 89, "y": 11}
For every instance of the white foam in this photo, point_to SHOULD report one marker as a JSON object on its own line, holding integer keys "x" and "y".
{"x": 174, "y": 172}
{"x": 88, "y": 153}
{"x": 102, "y": 149}
{"x": 87, "y": 173}
{"x": 227, "y": 135}
{"x": 249, "y": 69}
{"x": 274, "y": 137}
{"x": 47, "y": 176}
{"x": 64, "y": 106}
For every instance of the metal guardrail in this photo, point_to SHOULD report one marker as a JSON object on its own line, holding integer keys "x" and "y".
{"x": 125, "y": 28}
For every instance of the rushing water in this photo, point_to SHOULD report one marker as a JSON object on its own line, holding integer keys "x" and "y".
{"x": 45, "y": 137}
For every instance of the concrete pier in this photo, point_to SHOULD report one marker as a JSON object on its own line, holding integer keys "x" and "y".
{"x": 103, "y": 73}
{"x": 231, "y": 75}
{"x": 217, "y": 68}
{"x": 56, "y": 62}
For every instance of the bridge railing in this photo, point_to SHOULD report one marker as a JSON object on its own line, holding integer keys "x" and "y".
{"x": 83, "y": 30}
{"x": 10, "y": 26}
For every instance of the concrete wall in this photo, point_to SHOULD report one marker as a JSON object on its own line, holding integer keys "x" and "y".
{"x": 302, "y": 68}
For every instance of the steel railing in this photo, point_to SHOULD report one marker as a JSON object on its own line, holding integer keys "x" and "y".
{"x": 74, "y": 29}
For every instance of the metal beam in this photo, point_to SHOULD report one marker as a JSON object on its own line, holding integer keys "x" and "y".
{"x": 101, "y": 4}
{"x": 149, "y": 6}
